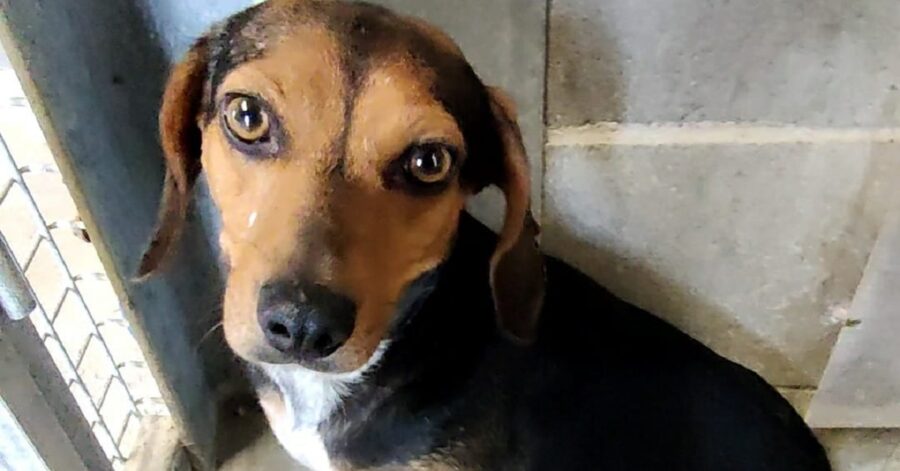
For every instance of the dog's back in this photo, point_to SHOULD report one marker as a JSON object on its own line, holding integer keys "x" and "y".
{"x": 618, "y": 388}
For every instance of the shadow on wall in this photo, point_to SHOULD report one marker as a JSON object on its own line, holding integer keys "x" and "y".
{"x": 175, "y": 25}
{"x": 633, "y": 278}
{"x": 603, "y": 64}
{"x": 644, "y": 286}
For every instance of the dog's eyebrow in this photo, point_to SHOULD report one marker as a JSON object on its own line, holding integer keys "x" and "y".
{"x": 232, "y": 44}
{"x": 366, "y": 34}
{"x": 361, "y": 31}
{"x": 369, "y": 34}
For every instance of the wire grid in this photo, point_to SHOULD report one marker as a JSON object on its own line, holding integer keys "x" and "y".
{"x": 82, "y": 343}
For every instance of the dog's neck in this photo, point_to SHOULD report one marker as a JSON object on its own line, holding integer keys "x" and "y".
{"x": 456, "y": 319}
{"x": 435, "y": 348}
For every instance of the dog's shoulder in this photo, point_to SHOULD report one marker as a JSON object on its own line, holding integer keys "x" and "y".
{"x": 612, "y": 381}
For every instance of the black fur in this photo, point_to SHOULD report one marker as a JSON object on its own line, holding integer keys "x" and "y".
{"x": 606, "y": 386}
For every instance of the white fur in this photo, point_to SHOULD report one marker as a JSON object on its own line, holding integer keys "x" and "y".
{"x": 310, "y": 398}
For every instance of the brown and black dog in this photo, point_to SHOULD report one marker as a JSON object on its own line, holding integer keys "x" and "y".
{"x": 387, "y": 329}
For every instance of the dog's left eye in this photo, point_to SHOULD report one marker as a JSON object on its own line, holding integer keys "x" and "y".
{"x": 428, "y": 163}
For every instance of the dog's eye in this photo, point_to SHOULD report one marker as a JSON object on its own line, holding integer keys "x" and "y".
{"x": 428, "y": 163}
{"x": 247, "y": 119}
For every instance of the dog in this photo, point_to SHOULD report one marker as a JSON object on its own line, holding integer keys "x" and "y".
{"x": 383, "y": 326}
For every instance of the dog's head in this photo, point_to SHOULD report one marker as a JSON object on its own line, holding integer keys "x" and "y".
{"x": 340, "y": 142}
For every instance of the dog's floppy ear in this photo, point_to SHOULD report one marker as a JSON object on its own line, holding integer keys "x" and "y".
{"x": 181, "y": 140}
{"x": 517, "y": 267}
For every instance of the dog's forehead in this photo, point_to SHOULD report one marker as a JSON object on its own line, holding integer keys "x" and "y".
{"x": 364, "y": 34}
{"x": 366, "y": 37}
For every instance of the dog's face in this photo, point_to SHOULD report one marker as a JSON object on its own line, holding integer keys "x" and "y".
{"x": 340, "y": 142}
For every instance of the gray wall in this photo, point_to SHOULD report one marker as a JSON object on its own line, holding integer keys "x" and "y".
{"x": 719, "y": 162}
{"x": 729, "y": 176}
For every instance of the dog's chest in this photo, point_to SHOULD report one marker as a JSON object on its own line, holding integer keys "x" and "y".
{"x": 309, "y": 399}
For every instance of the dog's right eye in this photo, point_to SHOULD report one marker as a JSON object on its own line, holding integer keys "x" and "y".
{"x": 249, "y": 125}
{"x": 246, "y": 118}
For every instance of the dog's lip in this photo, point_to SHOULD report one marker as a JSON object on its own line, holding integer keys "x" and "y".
{"x": 326, "y": 367}
{"x": 329, "y": 364}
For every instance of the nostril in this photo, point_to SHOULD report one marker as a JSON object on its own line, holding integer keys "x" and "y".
{"x": 324, "y": 336}
{"x": 325, "y": 345}
{"x": 279, "y": 330}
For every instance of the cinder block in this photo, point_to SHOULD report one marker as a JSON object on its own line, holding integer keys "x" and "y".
{"x": 753, "y": 249}
{"x": 813, "y": 62}
{"x": 798, "y": 397}
{"x": 862, "y": 449}
{"x": 861, "y": 385}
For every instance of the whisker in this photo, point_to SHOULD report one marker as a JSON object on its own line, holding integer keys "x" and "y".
{"x": 208, "y": 333}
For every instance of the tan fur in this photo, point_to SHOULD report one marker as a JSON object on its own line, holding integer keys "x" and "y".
{"x": 351, "y": 233}
{"x": 264, "y": 202}
{"x": 388, "y": 237}
{"x": 324, "y": 213}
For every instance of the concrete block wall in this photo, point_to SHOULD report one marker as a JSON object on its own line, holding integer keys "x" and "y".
{"x": 725, "y": 164}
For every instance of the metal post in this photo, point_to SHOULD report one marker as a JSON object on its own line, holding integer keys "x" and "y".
{"x": 36, "y": 394}
{"x": 15, "y": 297}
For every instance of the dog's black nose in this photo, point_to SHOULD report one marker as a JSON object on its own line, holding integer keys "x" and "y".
{"x": 306, "y": 321}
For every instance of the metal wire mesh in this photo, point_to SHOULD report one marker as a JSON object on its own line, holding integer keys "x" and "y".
{"x": 91, "y": 344}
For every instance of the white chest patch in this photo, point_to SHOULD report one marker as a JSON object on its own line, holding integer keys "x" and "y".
{"x": 310, "y": 398}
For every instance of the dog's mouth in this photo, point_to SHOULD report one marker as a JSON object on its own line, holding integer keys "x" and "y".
{"x": 351, "y": 375}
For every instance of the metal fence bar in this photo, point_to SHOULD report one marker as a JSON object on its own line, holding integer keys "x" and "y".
{"x": 5, "y": 191}
{"x": 124, "y": 428}
{"x": 45, "y": 237}
{"x": 77, "y": 380}
{"x": 16, "y": 298}
{"x": 106, "y": 389}
{"x": 35, "y": 392}
{"x": 32, "y": 253}
{"x": 59, "y": 305}
{"x": 57, "y": 255}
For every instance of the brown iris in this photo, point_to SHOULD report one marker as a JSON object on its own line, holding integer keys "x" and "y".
{"x": 430, "y": 163}
{"x": 247, "y": 119}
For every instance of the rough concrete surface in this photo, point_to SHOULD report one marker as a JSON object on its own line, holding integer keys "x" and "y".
{"x": 862, "y": 449}
{"x": 814, "y": 62}
{"x": 861, "y": 386}
{"x": 754, "y": 250}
